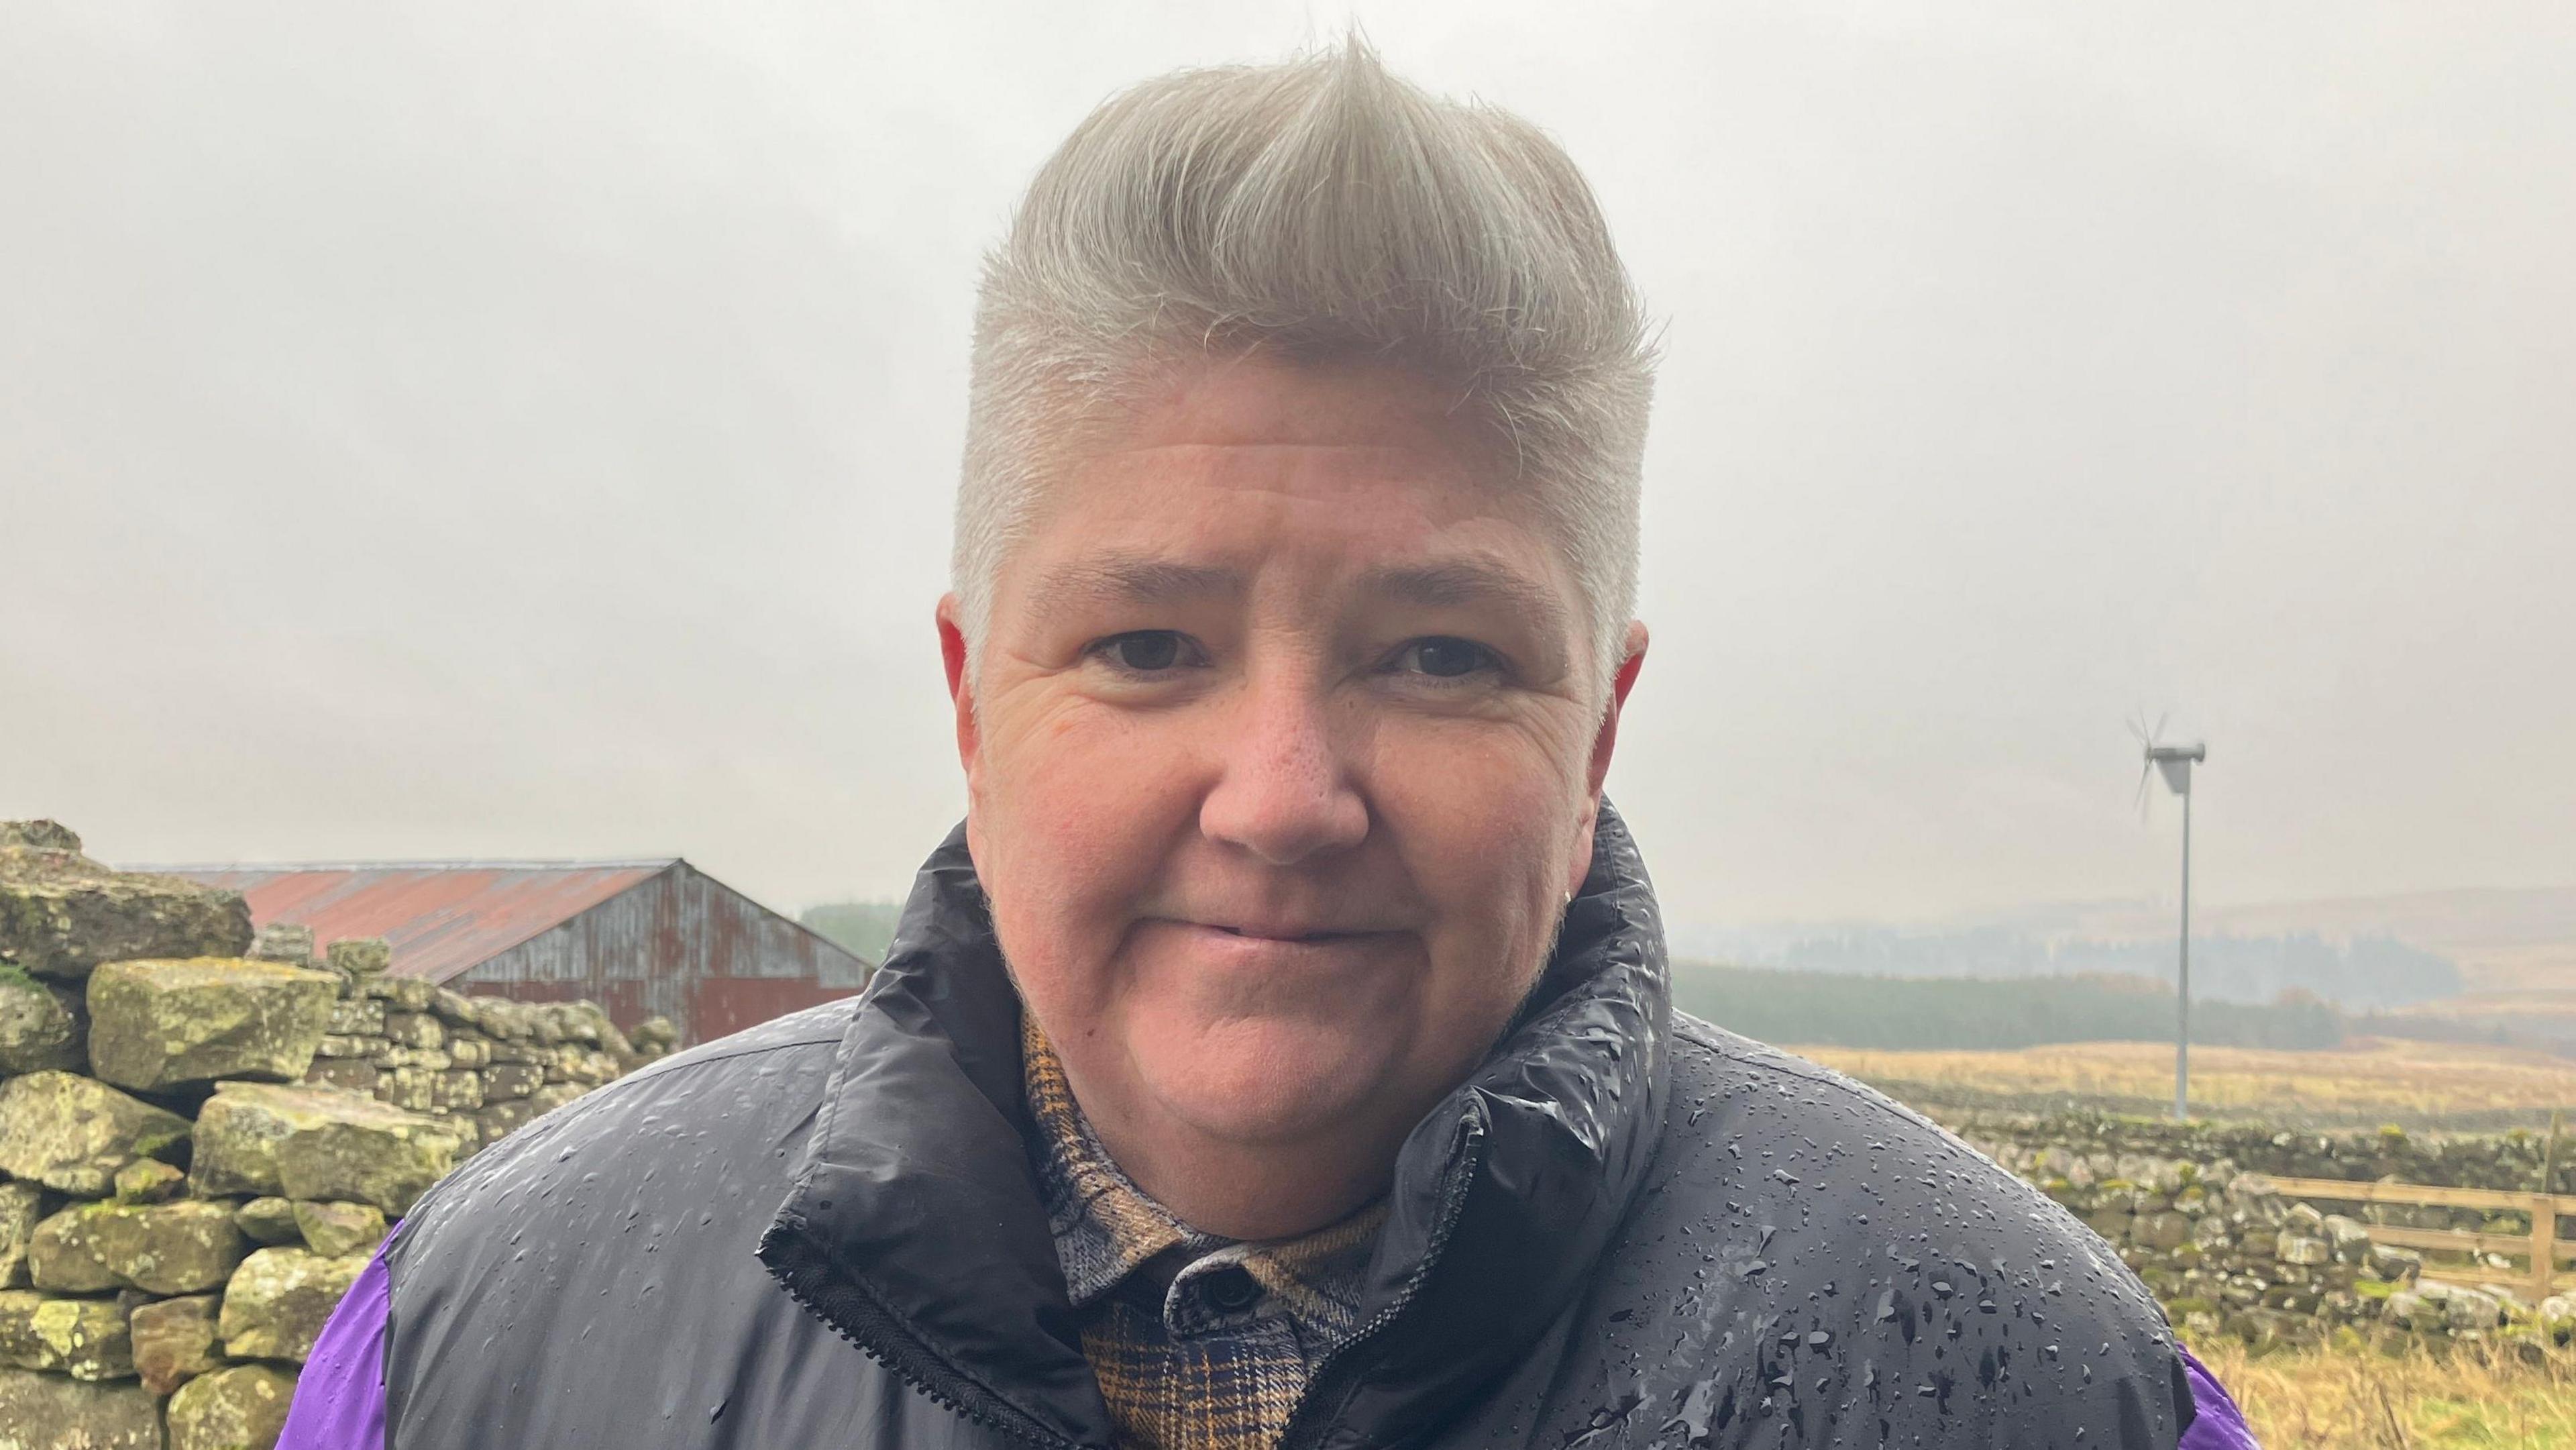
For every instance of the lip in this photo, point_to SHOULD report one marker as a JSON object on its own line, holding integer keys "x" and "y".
{"x": 1280, "y": 934}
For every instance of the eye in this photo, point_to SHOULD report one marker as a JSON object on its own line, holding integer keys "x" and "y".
{"x": 1446, "y": 657}
{"x": 1146, "y": 651}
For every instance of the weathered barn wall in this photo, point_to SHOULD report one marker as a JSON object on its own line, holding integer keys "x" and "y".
{"x": 681, "y": 945}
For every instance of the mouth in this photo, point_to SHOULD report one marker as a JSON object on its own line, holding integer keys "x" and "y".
{"x": 1288, "y": 935}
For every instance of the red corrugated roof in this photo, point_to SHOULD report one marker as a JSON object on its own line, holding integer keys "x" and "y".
{"x": 442, "y": 918}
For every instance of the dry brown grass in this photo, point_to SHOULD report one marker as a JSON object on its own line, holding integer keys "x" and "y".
{"x": 2371, "y": 1080}
{"x": 2365, "y": 1401}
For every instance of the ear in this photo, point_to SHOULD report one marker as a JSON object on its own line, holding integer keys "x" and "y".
{"x": 961, "y": 685}
{"x": 1604, "y": 742}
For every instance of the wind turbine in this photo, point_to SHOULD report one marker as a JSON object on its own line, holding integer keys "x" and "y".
{"x": 2174, "y": 763}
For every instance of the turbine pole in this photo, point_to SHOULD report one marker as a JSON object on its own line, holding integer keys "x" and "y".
{"x": 2182, "y": 982}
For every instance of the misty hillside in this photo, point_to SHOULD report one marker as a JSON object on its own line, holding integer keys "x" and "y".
{"x": 2369, "y": 971}
{"x": 1842, "y": 1010}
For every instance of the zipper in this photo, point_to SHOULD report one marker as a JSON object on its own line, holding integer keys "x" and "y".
{"x": 1303, "y": 1433}
{"x": 857, "y": 1318}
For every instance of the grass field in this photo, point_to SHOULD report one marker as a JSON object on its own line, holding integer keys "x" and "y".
{"x": 2367, "y": 1082}
{"x": 2361, "y": 1401}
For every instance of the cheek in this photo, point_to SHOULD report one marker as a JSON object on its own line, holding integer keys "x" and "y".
{"x": 1073, "y": 821}
{"x": 1486, "y": 829}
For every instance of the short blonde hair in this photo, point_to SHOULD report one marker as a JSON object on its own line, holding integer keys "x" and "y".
{"x": 1320, "y": 209}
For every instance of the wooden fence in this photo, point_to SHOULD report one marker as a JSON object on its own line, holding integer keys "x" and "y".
{"x": 2542, "y": 1247}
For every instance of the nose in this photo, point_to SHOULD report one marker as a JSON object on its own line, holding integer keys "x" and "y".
{"x": 1286, "y": 791}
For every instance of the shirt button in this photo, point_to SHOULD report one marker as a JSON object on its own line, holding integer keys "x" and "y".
{"x": 1230, "y": 1290}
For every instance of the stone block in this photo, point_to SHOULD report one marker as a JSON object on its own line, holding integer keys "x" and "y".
{"x": 277, "y": 1300}
{"x": 2469, "y": 1309}
{"x": 585, "y": 1022}
{"x": 408, "y": 994}
{"x": 68, "y": 1414}
{"x": 503, "y": 1018}
{"x": 459, "y": 1090}
{"x": 303, "y": 1142}
{"x": 42, "y": 1024}
{"x": 454, "y": 1008}
{"x": 415, "y": 1029}
{"x": 358, "y": 1017}
{"x": 499, "y": 1120}
{"x": 2163, "y": 1230}
{"x": 156, "y": 1024}
{"x": 364, "y": 1161}
{"x": 511, "y": 1080}
{"x": 361, "y": 956}
{"x": 174, "y": 1340}
{"x": 2111, "y": 1223}
{"x": 336, "y": 1230}
{"x": 465, "y": 1051}
{"x": 2395, "y": 1265}
{"x": 269, "y": 1221}
{"x": 73, "y": 1133}
{"x": 410, "y": 1089}
{"x": 284, "y": 941}
{"x": 240, "y": 1408}
{"x": 83, "y": 1338}
{"x": 340, "y": 1045}
{"x": 554, "y": 1095}
{"x": 2294, "y": 1248}
{"x": 2346, "y": 1239}
{"x": 22, "y": 1207}
{"x": 148, "y": 1180}
{"x": 160, "y": 1248}
{"x": 345, "y": 1074}
{"x": 61, "y": 914}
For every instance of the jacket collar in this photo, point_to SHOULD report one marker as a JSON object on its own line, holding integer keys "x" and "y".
{"x": 916, "y": 1226}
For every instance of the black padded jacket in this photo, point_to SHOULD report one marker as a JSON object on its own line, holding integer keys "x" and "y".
{"x": 1628, "y": 1228}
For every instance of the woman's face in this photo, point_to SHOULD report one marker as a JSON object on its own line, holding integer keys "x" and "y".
{"x": 1281, "y": 758}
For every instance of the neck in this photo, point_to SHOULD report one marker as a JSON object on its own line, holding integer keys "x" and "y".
{"x": 1250, "y": 1191}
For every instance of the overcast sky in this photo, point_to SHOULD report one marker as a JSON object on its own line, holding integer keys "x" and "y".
{"x": 528, "y": 430}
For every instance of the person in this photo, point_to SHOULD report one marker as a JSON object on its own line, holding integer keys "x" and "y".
{"x": 1280, "y": 1054}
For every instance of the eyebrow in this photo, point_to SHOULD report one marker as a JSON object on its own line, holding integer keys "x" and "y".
{"x": 1142, "y": 579}
{"x": 1468, "y": 582}
{"x": 1130, "y": 579}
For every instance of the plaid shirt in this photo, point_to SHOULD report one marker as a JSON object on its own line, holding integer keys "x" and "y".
{"x": 1198, "y": 1342}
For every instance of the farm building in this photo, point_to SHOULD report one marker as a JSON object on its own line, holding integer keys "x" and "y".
{"x": 641, "y": 938}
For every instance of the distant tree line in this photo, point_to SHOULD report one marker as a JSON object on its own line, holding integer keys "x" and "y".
{"x": 863, "y": 928}
{"x": 1839, "y": 1009}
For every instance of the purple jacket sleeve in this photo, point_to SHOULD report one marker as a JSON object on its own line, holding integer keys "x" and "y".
{"x": 2218, "y": 1425}
{"x": 340, "y": 1398}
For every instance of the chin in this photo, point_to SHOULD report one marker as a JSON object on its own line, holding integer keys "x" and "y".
{"x": 1269, "y": 1083}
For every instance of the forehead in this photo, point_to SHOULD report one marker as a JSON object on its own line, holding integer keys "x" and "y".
{"x": 1256, "y": 466}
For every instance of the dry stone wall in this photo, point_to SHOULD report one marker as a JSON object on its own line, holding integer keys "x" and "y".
{"x": 2189, "y": 1209}
{"x": 205, "y": 1132}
